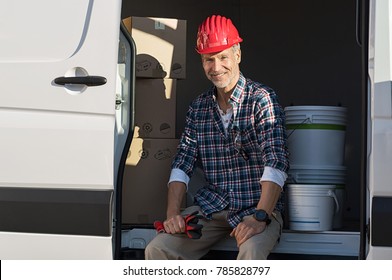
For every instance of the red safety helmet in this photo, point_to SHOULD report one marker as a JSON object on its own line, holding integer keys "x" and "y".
{"x": 216, "y": 34}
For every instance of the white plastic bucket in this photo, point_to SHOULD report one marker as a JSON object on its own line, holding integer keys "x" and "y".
{"x": 311, "y": 207}
{"x": 316, "y": 134}
{"x": 317, "y": 174}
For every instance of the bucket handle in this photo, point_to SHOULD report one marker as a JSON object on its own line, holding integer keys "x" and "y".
{"x": 298, "y": 125}
{"x": 332, "y": 194}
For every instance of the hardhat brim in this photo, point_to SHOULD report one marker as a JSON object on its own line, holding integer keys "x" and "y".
{"x": 217, "y": 48}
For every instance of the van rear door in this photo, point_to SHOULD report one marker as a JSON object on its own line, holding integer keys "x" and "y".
{"x": 58, "y": 63}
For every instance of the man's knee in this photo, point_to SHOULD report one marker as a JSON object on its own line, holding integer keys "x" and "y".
{"x": 155, "y": 250}
{"x": 149, "y": 251}
{"x": 253, "y": 249}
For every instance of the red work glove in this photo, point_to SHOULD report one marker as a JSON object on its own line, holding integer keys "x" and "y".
{"x": 192, "y": 228}
{"x": 158, "y": 225}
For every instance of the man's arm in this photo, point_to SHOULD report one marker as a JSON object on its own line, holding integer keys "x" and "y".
{"x": 270, "y": 193}
{"x": 174, "y": 222}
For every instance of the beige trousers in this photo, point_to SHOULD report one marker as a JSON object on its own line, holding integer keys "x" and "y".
{"x": 179, "y": 247}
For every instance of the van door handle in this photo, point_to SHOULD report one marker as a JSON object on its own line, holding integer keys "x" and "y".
{"x": 90, "y": 81}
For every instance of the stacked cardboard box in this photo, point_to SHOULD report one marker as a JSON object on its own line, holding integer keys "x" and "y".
{"x": 160, "y": 61}
{"x": 160, "y": 46}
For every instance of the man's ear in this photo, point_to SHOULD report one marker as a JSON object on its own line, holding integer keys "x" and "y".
{"x": 238, "y": 56}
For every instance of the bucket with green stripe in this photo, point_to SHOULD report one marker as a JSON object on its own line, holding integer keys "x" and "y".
{"x": 316, "y": 134}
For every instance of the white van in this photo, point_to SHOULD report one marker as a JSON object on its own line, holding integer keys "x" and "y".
{"x": 66, "y": 124}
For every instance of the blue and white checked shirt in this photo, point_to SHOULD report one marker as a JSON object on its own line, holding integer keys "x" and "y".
{"x": 234, "y": 162}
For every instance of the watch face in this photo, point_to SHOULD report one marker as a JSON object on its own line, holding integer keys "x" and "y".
{"x": 261, "y": 215}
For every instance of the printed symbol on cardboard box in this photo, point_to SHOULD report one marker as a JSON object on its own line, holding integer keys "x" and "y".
{"x": 164, "y": 128}
{"x": 149, "y": 66}
{"x": 176, "y": 68}
{"x": 143, "y": 154}
{"x": 163, "y": 154}
{"x": 143, "y": 65}
{"x": 147, "y": 127}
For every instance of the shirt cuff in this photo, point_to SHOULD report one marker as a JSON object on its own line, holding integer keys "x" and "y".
{"x": 274, "y": 175}
{"x": 179, "y": 176}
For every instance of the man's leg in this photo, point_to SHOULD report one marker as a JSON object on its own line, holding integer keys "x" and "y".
{"x": 259, "y": 246}
{"x": 179, "y": 246}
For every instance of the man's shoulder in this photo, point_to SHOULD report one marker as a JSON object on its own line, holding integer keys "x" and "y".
{"x": 258, "y": 89}
{"x": 203, "y": 99}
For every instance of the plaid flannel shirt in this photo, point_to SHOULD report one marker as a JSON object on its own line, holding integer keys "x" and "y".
{"x": 233, "y": 162}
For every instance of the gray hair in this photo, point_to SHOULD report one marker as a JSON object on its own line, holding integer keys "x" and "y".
{"x": 236, "y": 47}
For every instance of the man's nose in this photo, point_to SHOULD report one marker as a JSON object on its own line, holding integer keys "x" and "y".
{"x": 216, "y": 65}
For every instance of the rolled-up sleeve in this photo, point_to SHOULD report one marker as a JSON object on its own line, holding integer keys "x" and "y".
{"x": 274, "y": 175}
{"x": 177, "y": 175}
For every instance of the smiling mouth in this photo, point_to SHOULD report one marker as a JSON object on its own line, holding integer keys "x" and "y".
{"x": 216, "y": 75}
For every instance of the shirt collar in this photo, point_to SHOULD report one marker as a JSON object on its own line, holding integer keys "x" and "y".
{"x": 238, "y": 92}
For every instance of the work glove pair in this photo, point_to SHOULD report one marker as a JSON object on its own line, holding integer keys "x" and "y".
{"x": 192, "y": 228}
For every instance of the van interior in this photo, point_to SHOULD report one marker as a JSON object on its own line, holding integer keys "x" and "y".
{"x": 310, "y": 53}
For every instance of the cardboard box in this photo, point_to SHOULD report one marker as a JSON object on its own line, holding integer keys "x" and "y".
{"x": 160, "y": 46}
{"x": 147, "y": 172}
{"x": 155, "y": 108}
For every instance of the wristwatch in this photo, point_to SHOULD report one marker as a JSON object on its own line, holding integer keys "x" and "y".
{"x": 262, "y": 216}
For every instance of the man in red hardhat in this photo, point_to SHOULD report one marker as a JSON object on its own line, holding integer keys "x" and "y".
{"x": 235, "y": 131}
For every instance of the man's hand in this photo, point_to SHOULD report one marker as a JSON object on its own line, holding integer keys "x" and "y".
{"x": 179, "y": 224}
{"x": 174, "y": 224}
{"x": 246, "y": 229}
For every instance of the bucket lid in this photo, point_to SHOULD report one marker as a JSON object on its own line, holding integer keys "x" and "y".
{"x": 314, "y": 174}
{"x": 316, "y": 115}
{"x": 311, "y": 186}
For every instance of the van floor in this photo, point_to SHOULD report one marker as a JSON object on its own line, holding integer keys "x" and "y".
{"x": 138, "y": 254}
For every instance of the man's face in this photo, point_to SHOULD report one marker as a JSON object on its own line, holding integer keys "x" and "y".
{"x": 222, "y": 68}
